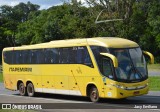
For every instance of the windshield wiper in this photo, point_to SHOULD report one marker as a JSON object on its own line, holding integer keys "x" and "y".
{"x": 135, "y": 72}
{"x": 139, "y": 73}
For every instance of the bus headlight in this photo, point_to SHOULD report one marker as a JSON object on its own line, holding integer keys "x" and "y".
{"x": 119, "y": 86}
{"x": 130, "y": 88}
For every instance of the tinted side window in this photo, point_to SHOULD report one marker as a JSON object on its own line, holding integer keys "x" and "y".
{"x": 26, "y": 56}
{"x": 96, "y": 51}
{"x": 40, "y": 56}
{"x": 64, "y": 55}
{"x": 52, "y": 56}
{"x": 48, "y": 56}
{"x": 69, "y": 55}
{"x": 55, "y": 56}
{"x": 33, "y": 56}
{"x": 83, "y": 56}
{"x": 13, "y": 57}
{"x": 18, "y": 57}
{"x": 107, "y": 68}
{"x": 75, "y": 55}
{"x": 72, "y": 55}
{"x": 7, "y": 57}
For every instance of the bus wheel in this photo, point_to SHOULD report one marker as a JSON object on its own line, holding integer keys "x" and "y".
{"x": 22, "y": 89}
{"x": 94, "y": 95}
{"x": 30, "y": 89}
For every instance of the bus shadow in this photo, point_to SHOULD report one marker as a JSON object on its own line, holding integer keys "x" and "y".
{"x": 60, "y": 97}
{"x": 131, "y": 100}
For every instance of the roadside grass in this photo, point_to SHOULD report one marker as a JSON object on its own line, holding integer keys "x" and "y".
{"x": 1, "y": 77}
{"x": 154, "y": 83}
{"x": 154, "y": 67}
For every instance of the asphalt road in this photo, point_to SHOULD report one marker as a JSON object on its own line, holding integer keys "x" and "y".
{"x": 154, "y": 72}
{"x": 66, "y": 103}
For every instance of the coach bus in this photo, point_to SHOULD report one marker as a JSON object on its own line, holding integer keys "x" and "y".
{"x": 101, "y": 67}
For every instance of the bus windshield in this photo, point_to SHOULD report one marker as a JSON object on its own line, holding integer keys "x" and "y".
{"x": 131, "y": 64}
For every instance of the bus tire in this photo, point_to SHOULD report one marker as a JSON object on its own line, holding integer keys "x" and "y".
{"x": 30, "y": 89}
{"x": 93, "y": 94}
{"x": 22, "y": 89}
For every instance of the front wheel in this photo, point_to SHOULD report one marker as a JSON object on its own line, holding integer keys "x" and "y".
{"x": 94, "y": 95}
{"x": 30, "y": 90}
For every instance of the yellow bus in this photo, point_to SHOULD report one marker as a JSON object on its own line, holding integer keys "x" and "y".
{"x": 101, "y": 67}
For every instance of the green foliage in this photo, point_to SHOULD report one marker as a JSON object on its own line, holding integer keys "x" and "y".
{"x": 1, "y": 77}
{"x": 154, "y": 83}
{"x": 10, "y": 19}
{"x": 25, "y": 24}
{"x": 59, "y": 22}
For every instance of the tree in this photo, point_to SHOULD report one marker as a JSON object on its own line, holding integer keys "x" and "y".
{"x": 28, "y": 25}
{"x": 154, "y": 28}
{"x": 12, "y": 17}
{"x": 58, "y": 22}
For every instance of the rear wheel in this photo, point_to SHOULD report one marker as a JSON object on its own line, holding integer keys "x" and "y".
{"x": 30, "y": 90}
{"x": 22, "y": 89}
{"x": 94, "y": 95}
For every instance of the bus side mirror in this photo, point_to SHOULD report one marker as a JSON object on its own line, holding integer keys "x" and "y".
{"x": 150, "y": 55}
{"x": 112, "y": 57}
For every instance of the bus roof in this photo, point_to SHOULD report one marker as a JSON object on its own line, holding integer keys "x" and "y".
{"x": 110, "y": 42}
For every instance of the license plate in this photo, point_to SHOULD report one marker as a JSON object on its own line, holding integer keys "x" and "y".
{"x": 136, "y": 93}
